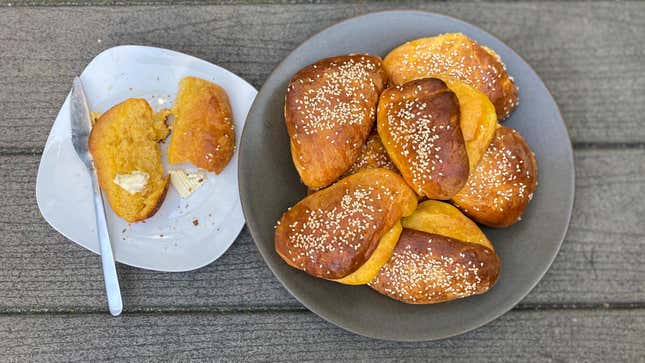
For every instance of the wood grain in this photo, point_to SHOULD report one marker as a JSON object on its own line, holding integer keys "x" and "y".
{"x": 532, "y": 336}
{"x": 155, "y": 2}
{"x": 599, "y": 263}
{"x": 589, "y": 54}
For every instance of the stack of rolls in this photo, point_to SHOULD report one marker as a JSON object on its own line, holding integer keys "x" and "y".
{"x": 403, "y": 157}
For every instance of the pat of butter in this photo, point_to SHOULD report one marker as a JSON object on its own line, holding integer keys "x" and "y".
{"x": 186, "y": 183}
{"x": 132, "y": 183}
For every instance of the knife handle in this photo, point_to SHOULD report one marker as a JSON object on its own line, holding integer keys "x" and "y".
{"x": 110, "y": 277}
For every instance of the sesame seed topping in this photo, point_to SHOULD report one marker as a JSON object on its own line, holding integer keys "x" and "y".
{"x": 422, "y": 133}
{"x": 344, "y": 226}
{"x": 504, "y": 179}
{"x": 417, "y": 273}
{"x": 458, "y": 57}
{"x": 344, "y": 93}
{"x": 372, "y": 155}
{"x": 340, "y": 226}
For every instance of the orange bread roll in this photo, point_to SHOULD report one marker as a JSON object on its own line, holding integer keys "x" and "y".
{"x": 418, "y": 123}
{"x": 477, "y": 119}
{"x": 124, "y": 144}
{"x": 330, "y": 107}
{"x": 203, "y": 131}
{"x": 455, "y": 56}
{"x": 441, "y": 255}
{"x": 430, "y": 268}
{"x": 502, "y": 185}
{"x": 334, "y": 232}
{"x": 372, "y": 155}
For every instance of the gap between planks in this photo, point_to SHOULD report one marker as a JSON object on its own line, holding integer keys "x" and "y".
{"x": 581, "y": 146}
{"x": 289, "y": 309}
{"x": 104, "y": 3}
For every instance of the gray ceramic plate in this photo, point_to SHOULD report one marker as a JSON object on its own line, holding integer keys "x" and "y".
{"x": 269, "y": 184}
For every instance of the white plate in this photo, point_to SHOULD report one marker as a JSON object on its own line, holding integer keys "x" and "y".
{"x": 169, "y": 241}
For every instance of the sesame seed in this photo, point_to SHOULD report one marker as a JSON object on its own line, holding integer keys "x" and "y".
{"x": 504, "y": 179}
{"x": 417, "y": 134}
{"x": 349, "y": 224}
{"x": 372, "y": 155}
{"x": 415, "y": 274}
{"x": 458, "y": 57}
{"x": 344, "y": 94}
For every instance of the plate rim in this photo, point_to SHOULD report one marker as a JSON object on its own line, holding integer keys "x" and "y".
{"x": 103, "y": 53}
{"x": 529, "y": 287}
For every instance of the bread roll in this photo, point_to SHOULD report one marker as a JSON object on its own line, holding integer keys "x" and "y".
{"x": 477, "y": 119}
{"x": 441, "y": 255}
{"x": 503, "y": 183}
{"x": 124, "y": 144}
{"x": 435, "y": 217}
{"x": 430, "y": 268}
{"x": 455, "y": 56}
{"x": 372, "y": 155}
{"x": 367, "y": 272}
{"x": 333, "y": 232}
{"x": 203, "y": 131}
{"x": 418, "y": 123}
{"x": 330, "y": 107}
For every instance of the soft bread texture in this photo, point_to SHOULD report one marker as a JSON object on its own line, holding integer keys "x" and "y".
{"x": 418, "y": 123}
{"x": 333, "y": 232}
{"x": 430, "y": 268}
{"x": 503, "y": 183}
{"x": 330, "y": 107}
{"x": 203, "y": 131}
{"x": 445, "y": 219}
{"x": 123, "y": 140}
{"x": 455, "y": 56}
{"x": 477, "y": 119}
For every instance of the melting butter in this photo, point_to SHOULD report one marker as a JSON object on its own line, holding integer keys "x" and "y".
{"x": 132, "y": 183}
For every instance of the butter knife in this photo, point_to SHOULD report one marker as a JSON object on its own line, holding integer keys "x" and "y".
{"x": 81, "y": 125}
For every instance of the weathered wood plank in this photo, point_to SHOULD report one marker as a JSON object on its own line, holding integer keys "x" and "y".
{"x": 589, "y": 54}
{"x": 534, "y": 336}
{"x": 40, "y": 269}
{"x": 10, "y": 3}
{"x": 600, "y": 261}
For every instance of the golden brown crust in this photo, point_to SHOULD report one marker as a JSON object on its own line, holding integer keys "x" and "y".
{"x": 331, "y": 233}
{"x": 503, "y": 183}
{"x": 329, "y": 112}
{"x": 203, "y": 129}
{"x": 372, "y": 155}
{"x": 429, "y": 268}
{"x": 383, "y": 251}
{"x": 454, "y": 56}
{"x": 162, "y": 197}
{"x": 418, "y": 123}
{"x": 123, "y": 140}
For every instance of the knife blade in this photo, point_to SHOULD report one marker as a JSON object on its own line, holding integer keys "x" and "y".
{"x": 81, "y": 125}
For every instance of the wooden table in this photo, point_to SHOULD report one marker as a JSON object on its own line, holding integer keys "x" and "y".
{"x": 589, "y": 307}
